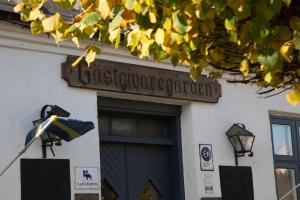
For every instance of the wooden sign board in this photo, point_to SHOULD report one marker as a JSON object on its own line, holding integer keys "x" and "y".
{"x": 134, "y": 79}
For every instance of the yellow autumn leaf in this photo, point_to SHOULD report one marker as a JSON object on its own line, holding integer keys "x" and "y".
{"x": 77, "y": 61}
{"x": 293, "y": 97}
{"x": 36, "y": 14}
{"x": 167, "y": 24}
{"x": 52, "y": 23}
{"x": 159, "y": 36}
{"x": 19, "y": 7}
{"x": 244, "y": 67}
{"x": 286, "y": 51}
{"x": 145, "y": 49}
{"x": 104, "y": 8}
{"x": 76, "y": 41}
{"x": 138, "y": 8}
{"x": 152, "y": 16}
{"x": 90, "y": 57}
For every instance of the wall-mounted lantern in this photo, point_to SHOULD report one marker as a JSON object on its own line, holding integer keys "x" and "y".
{"x": 241, "y": 139}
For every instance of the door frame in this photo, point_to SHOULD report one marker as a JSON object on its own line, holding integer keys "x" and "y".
{"x": 149, "y": 108}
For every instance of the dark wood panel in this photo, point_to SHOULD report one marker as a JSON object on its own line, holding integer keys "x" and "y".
{"x": 113, "y": 167}
{"x": 236, "y": 183}
{"x": 148, "y": 164}
{"x": 86, "y": 196}
{"x": 45, "y": 179}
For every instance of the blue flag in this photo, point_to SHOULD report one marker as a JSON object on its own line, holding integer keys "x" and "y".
{"x": 66, "y": 129}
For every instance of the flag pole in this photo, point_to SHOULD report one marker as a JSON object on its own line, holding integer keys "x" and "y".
{"x": 19, "y": 154}
{"x": 40, "y": 130}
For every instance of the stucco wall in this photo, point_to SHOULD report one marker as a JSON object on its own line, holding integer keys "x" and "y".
{"x": 209, "y": 123}
{"x": 30, "y": 77}
{"x": 29, "y": 80}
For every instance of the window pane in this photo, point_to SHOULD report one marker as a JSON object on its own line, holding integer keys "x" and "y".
{"x": 152, "y": 128}
{"x": 103, "y": 125}
{"x": 107, "y": 192}
{"x": 150, "y": 192}
{"x": 285, "y": 181}
{"x": 282, "y": 139}
{"x": 124, "y": 126}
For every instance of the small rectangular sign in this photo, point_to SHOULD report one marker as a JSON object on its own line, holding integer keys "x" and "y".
{"x": 209, "y": 183}
{"x": 87, "y": 178}
{"x": 206, "y": 157}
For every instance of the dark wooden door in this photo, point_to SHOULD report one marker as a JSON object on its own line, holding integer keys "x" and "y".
{"x": 140, "y": 151}
{"x": 135, "y": 171}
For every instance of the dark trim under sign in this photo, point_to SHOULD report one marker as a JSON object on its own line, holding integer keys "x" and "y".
{"x": 134, "y": 79}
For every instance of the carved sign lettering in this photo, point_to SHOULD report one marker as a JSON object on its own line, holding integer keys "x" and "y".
{"x": 134, "y": 79}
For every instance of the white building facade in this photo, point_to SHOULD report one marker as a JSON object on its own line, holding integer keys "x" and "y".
{"x": 31, "y": 77}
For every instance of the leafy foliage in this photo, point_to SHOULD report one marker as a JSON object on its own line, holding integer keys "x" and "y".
{"x": 255, "y": 41}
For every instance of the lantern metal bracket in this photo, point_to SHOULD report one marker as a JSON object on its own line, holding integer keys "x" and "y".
{"x": 49, "y": 140}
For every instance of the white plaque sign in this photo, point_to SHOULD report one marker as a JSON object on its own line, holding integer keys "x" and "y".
{"x": 209, "y": 183}
{"x": 206, "y": 157}
{"x": 87, "y": 178}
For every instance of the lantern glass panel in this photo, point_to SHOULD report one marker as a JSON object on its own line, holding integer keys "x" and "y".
{"x": 247, "y": 142}
{"x": 236, "y": 143}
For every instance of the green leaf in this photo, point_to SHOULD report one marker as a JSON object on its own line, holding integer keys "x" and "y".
{"x": 36, "y": 27}
{"x": 25, "y": 15}
{"x": 179, "y": 23}
{"x": 271, "y": 60}
{"x": 216, "y": 74}
{"x": 159, "y": 54}
{"x": 282, "y": 33}
{"x": 174, "y": 60}
{"x": 287, "y": 2}
{"x": 195, "y": 72}
{"x": 115, "y": 23}
{"x": 89, "y": 19}
{"x": 295, "y": 23}
{"x": 65, "y": 4}
{"x": 296, "y": 41}
{"x": 230, "y": 24}
{"x": 72, "y": 28}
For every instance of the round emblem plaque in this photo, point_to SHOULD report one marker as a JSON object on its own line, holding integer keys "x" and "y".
{"x": 206, "y": 154}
